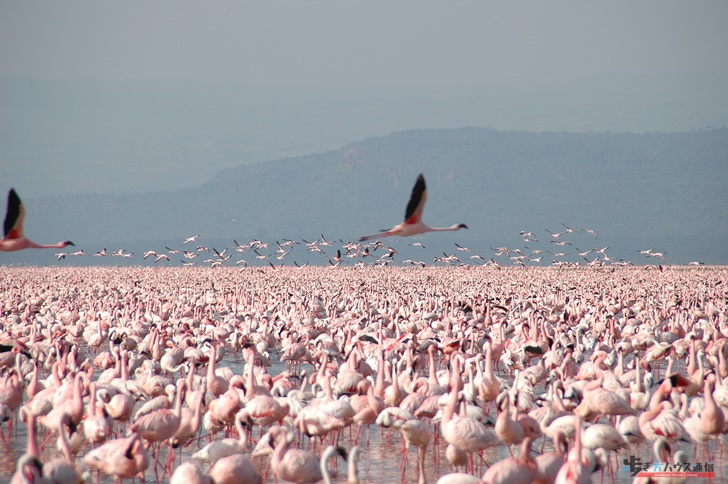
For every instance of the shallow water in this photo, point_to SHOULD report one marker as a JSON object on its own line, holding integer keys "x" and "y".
{"x": 379, "y": 460}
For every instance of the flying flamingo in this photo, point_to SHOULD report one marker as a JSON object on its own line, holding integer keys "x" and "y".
{"x": 413, "y": 224}
{"x": 13, "y": 237}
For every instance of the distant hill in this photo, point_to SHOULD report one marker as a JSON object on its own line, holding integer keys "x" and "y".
{"x": 665, "y": 191}
{"x": 100, "y": 136}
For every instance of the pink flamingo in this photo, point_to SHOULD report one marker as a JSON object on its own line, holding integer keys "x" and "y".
{"x": 369, "y": 412}
{"x": 13, "y": 237}
{"x": 514, "y": 470}
{"x": 63, "y": 469}
{"x": 598, "y": 401}
{"x": 663, "y": 421}
{"x": 417, "y": 433}
{"x": 189, "y": 473}
{"x": 712, "y": 418}
{"x": 189, "y": 424}
{"x": 216, "y": 385}
{"x": 464, "y": 432}
{"x": 413, "y": 224}
{"x": 353, "y": 466}
{"x": 506, "y": 427}
{"x": 295, "y": 465}
{"x": 489, "y": 385}
{"x": 122, "y": 458}
{"x": 29, "y": 469}
{"x": 95, "y": 426}
{"x": 575, "y": 469}
{"x": 263, "y": 410}
{"x": 317, "y": 422}
{"x": 74, "y": 407}
{"x": 548, "y": 464}
{"x": 235, "y": 469}
{"x": 161, "y": 425}
{"x": 29, "y": 466}
{"x": 157, "y": 403}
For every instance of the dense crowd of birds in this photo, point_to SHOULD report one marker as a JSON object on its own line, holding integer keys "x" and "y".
{"x": 119, "y": 371}
{"x": 289, "y": 252}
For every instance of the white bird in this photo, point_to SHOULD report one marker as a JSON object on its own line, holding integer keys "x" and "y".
{"x": 413, "y": 224}
{"x": 191, "y": 239}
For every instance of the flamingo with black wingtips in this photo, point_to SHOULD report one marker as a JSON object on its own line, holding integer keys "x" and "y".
{"x": 13, "y": 237}
{"x": 413, "y": 224}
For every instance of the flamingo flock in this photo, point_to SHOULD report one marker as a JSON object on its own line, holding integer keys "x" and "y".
{"x": 432, "y": 374}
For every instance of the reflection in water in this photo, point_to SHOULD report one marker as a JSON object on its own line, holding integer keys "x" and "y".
{"x": 379, "y": 462}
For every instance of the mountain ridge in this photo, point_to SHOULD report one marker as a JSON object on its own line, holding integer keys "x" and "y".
{"x": 655, "y": 188}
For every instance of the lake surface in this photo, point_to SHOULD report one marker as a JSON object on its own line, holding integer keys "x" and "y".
{"x": 379, "y": 461}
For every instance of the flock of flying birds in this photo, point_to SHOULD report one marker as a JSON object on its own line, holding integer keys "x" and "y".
{"x": 359, "y": 253}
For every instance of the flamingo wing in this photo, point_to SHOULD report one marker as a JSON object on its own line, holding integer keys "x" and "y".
{"x": 416, "y": 204}
{"x": 13, "y": 227}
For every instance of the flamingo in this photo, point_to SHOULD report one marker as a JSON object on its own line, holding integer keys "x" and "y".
{"x": 464, "y": 432}
{"x": 295, "y": 465}
{"x": 712, "y": 418}
{"x": 506, "y": 427}
{"x": 123, "y": 458}
{"x": 189, "y": 473}
{"x": 514, "y": 470}
{"x": 63, "y": 469}
{"x": 215, "y": 451}
{"x": 29, "y": 469}
{"x": 235, "y": 469}
{"x": 575, "y": 469}
{"x": 413, "y": 224}
{"x": 548, "y": 464}
{"x": 161, "y": 424}
{"x": 416, "y": 432}
{"x": 95, "y": 426}
{"x": 190, "y": 239}
{"x": 661, "y": 450}
{"x": 189, "y": 424}
{"x": 13, "y": 237}
{"x": 597, "y": 401}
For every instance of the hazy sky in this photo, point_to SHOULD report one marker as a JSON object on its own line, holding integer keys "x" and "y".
{"x": 368, "y": 43}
